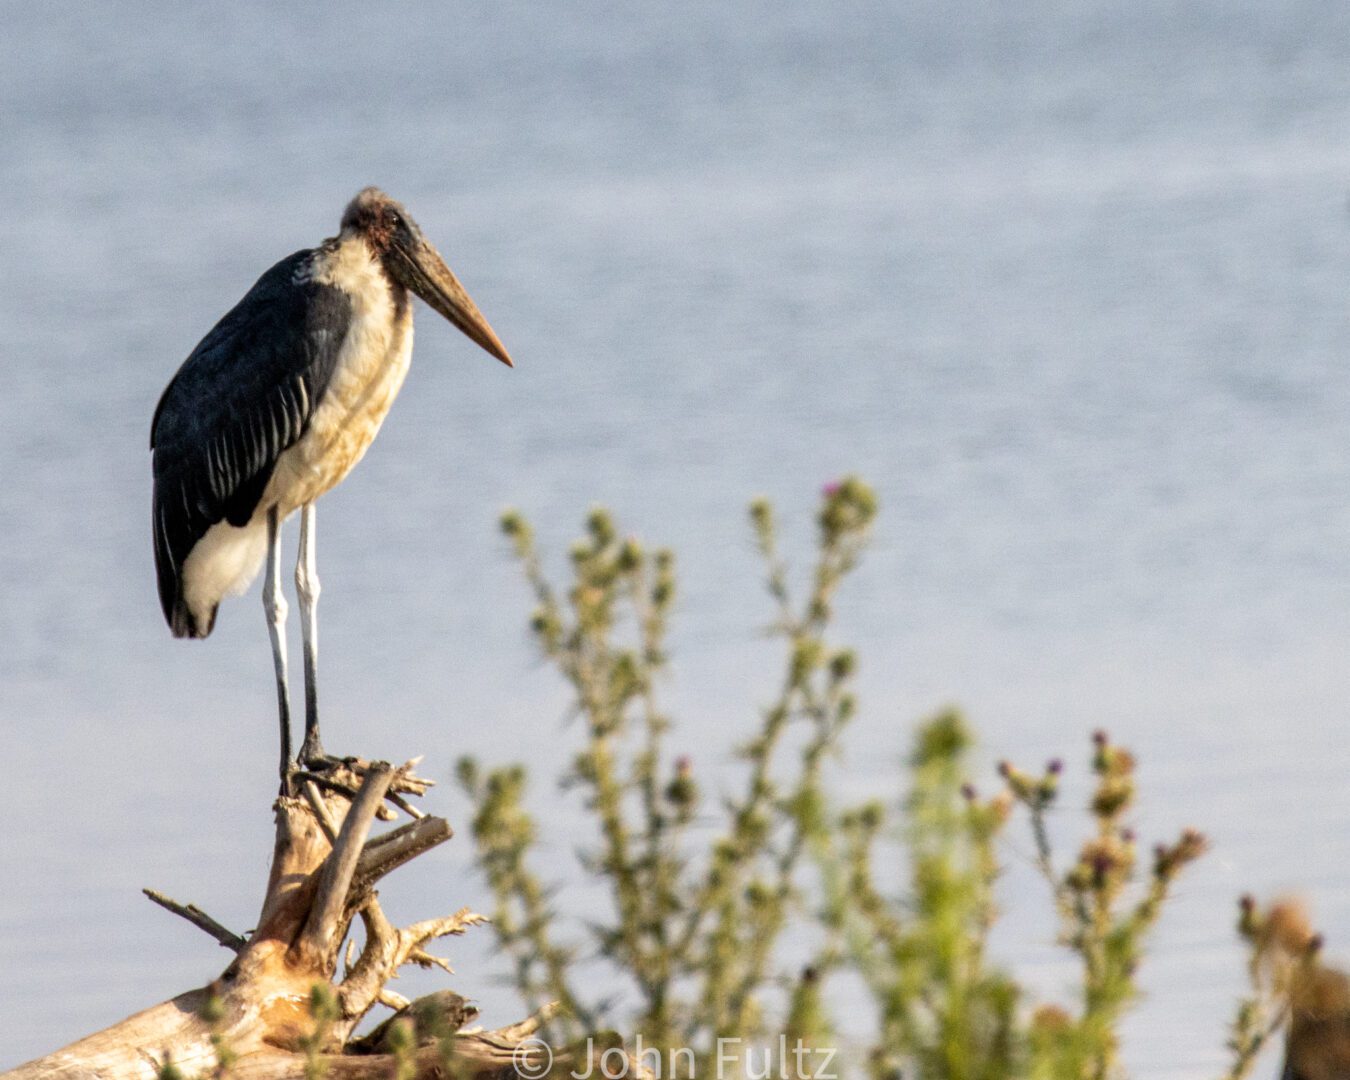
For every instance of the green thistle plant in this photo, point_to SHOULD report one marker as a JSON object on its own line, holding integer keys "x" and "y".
{"x": 694, "y": 933}
{"x": 696, "y": 922}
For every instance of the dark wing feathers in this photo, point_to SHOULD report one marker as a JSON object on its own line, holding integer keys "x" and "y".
{"x": 244, "y": 395}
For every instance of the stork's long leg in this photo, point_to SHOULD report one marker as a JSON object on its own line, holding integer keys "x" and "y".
{"x": 274, "y": 604}
{"x": 307, "y": 589}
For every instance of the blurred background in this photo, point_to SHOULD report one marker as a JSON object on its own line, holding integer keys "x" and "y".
{"x": 1065, "y": 280}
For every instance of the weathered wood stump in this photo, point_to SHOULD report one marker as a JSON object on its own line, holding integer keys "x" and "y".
{"x": 325, "y": 867}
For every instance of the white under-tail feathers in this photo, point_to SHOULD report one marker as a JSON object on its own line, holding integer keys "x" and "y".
{"x": 223, "y": 563}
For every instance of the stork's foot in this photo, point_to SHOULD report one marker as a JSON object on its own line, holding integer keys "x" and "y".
{"x": 345, "y": 775}
{"x": 312, "y": 757}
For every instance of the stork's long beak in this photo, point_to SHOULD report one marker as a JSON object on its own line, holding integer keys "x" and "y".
{"x": 432, "y": 280}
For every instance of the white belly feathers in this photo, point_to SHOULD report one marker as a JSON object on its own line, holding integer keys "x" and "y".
{"x": 371, "y": 366}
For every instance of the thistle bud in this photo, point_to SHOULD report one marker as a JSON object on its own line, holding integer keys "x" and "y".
{"x": 630, "y": 555}
{"x": 601, "y": 526}
{"x": 843, "y": 664}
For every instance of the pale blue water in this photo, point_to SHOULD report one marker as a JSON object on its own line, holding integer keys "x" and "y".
{"x": 1066, "y": 280}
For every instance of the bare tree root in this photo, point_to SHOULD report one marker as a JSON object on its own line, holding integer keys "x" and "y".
{"x": 324, "y": 873}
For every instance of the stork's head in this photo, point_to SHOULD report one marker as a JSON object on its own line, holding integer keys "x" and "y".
{"x": 409, "y": 259}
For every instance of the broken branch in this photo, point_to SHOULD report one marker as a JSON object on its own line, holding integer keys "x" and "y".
{"x": 198, "y": 918}
{"x": 335, "y": 878}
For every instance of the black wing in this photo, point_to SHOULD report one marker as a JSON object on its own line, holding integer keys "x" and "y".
{"x": 244, "y": 395}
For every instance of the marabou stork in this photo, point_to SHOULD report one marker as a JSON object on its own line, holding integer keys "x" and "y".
{"x": 274, "y": 407}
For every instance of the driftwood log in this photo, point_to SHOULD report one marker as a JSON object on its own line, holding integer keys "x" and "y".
{"x": 325, "y": 867}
